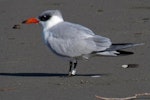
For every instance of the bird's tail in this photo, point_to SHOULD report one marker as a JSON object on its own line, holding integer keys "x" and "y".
{"x": 123, "y": 46}
{"x": 116, "y": 49}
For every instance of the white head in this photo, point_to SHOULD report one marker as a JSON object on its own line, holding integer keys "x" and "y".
{"x": 47, "y": 19}
{"x": 50, "y": 18}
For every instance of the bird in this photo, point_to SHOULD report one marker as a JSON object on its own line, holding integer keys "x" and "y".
{"x": 74, "y": 41}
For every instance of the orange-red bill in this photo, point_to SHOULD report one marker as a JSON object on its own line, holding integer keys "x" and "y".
{"x": 31, "y": 21}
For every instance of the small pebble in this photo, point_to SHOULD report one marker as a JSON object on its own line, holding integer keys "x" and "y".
{"x": 17, "y": 26}
{"x": 83, "y": 82}
{"x": 130, "y": 66}
{"x": 124, "y": 66}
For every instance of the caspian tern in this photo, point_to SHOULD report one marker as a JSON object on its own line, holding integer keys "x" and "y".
{"x": 74, "y": 41}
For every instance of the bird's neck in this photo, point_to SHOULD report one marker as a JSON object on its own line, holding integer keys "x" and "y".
{"x": 49, "y": 24}
{"x": 45, "y": 36}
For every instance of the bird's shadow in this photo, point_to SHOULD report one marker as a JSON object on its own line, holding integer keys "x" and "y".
{"x": 48, "y": 74}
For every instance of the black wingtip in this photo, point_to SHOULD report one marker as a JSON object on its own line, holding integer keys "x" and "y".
{"x": 124, "y": 53}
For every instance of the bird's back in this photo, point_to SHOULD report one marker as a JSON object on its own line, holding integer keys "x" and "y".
{"x": 67, "y": 30}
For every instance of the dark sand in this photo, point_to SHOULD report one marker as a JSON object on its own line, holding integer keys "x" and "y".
{"x": 29, "y": 71}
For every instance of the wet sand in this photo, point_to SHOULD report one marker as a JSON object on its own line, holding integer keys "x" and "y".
{"x": 29, "y": 71}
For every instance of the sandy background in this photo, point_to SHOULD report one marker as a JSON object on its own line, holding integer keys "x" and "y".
{"x": 29, "y": 71}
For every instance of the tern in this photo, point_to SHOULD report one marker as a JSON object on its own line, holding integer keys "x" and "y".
{"x": 74, "y": 41}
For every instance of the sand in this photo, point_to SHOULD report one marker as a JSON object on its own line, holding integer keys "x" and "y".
{"x": 29, "y": 71}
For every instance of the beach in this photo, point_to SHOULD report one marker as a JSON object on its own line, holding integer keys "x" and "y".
{"x": 30, "y": 71}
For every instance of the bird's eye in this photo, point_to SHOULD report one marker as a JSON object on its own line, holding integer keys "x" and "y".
{"x": 44, "y": 17}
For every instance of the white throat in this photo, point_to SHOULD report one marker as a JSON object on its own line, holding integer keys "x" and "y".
{"x": 52, "y": 22}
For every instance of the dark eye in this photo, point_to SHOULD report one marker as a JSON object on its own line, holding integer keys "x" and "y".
{"x": 44, "y": 17}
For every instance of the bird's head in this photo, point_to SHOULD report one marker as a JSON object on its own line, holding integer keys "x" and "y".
{"x": 48, "y": 19}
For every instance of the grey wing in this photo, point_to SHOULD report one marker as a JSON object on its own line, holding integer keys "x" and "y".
{"x": 68, "y": 30}
{"x": 102, "y": 43}
{"x": 75, "y": 40}
{"x": 78, "y": 46}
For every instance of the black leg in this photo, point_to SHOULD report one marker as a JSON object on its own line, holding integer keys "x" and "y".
{"x": 73, "y": 72}
{"x": 75, "y": 64}
{"x": 70, "y": 68}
